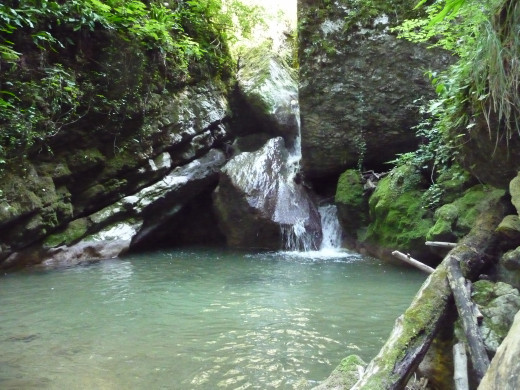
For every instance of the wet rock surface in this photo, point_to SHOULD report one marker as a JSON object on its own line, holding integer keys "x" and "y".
{"x": 268, "y": 90}
{"x": 257, "y": 194}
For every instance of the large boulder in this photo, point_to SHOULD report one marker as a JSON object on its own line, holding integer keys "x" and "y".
{"x": 454, "y": 220}
{"x": 359, "y": 84}
{"x": 498, "y": 303}
{"x": 259, "y": 197}
{"x": 398, "y": 218}
{"x": 504, "y": 370}
{"x": 268, "y": 95}
{"x": 352, "y": 202}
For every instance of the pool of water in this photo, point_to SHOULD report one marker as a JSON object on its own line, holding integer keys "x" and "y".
{"x": 197, "y": 319}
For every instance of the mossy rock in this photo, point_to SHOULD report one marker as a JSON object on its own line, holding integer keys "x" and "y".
{"x": 510, "y": 228}
{"x": 85, "y": 160}
{"x": 453, "y": 182}
{"x": 509, "y": 267}
{"x": 498, "y": 303}
{"x": 74, "y": 231}
{"x": 446, "y": 217}
{"x": 351, "y": 201}
{"x": 398, "y": 219}
{"x": 345, "y": 375}
{"x": 454, "y": 220}
{"x": 24, "y": 192}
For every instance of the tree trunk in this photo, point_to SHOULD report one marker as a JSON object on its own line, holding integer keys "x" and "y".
{"x": 416, "y": 328}
{"x": 460, "y": 370}
{"x": 477, "y": 351}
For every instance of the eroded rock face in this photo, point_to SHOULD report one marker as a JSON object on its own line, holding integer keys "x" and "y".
{"x": 504, "y": 370}
{"x": 128, "y": 224}
{"x": 359, "y": 84}
{"x": 269, "y": 90}
{"x": 498, "y": 303}
{"x": 257, "y": 195}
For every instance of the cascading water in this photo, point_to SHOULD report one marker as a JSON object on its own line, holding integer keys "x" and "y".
{"x": 295, "y": 236}
{"x": 332, "y": 233}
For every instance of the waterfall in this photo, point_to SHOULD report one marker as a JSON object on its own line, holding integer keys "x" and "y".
{"x": 295, "y": 153}
{"x": 330, "y": 227}
{"x": 295, "y": 236}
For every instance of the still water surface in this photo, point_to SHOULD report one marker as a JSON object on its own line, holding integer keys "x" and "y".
{"x": 197, "y": 319}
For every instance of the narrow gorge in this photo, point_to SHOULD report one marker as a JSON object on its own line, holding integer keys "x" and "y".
{"x": 233, "y": 177}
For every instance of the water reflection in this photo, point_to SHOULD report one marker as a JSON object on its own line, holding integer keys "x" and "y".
{"x": 196, "y": 319}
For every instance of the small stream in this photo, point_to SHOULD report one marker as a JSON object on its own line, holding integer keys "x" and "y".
{"x": 197, "y": 319}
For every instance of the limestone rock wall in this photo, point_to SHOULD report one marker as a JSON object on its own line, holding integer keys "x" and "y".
{"x": 359, "y": 84}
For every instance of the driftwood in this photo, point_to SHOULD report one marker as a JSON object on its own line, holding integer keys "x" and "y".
{"x": 410, "y": 260}
{"x": 460, "y": 369}
{"x": 441, "y": 244}
{"x": 416, "y": 328}
{"x": 477, "y": 351}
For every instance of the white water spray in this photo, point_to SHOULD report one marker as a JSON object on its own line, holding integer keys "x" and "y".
{"x": 295, "y": 237}
{"x": 332, "y": 233}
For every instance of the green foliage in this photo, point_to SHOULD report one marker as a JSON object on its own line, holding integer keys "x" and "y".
{"x": 484, "y": 81}
{"x": 484, "y": 37}
{"x": 48, "y": 104}
{"x": 46, "y": 84}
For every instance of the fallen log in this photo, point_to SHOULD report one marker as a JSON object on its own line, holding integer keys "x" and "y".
{"x": 416, "y": 328}
{"x": 460, "y": 369}
{"x": 441, "y": 244}
{"x": 477, "y": 351}
{"x": 410, "y": 260}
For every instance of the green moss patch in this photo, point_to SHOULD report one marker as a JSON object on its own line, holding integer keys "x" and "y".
{"x": 455, "y": 220}
{"x": 72, "y": 233}
{"x": 351, "y": 202}
{"x": 399, "y": 220}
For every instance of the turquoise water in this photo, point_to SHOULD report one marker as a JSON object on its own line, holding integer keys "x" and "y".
{"x": 197, "y": 319}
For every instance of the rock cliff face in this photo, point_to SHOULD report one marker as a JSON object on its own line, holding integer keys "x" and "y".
{"x": 101, "y": 194}
{"x": 145, "y": 140}
{"x": 112, "y": 183}
{"x": 359, "y": 84}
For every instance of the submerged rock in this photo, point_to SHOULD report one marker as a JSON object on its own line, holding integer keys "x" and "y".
{"x": 257, "y": 197}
